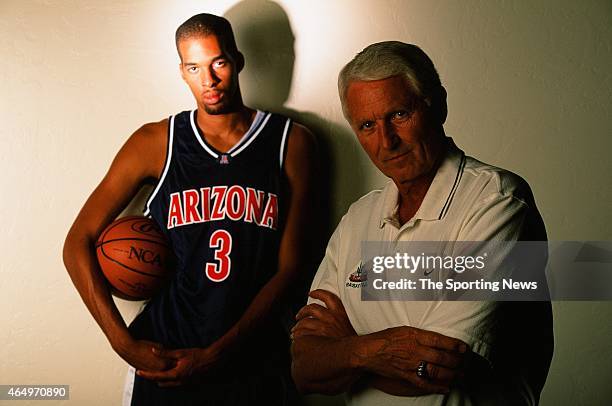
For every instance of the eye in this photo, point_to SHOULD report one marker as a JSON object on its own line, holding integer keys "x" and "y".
{"x": 366, "y": 125}
{"x": 219, "y": 63}
{"x": 400, "y": 115}
{"x": 193, "y": 69}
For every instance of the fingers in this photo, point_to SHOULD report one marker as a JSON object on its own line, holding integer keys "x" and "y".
{"x": 441, "y": 342}
{"x": 164, "y": 379}
{"x": 308, "y": 327}
{"x": 160, "y": 376}
{"x": 445, "y": 359}
{"x": 440, "y": 375}
{"x": 312, "y": 310}
{"x": 404, "y": 348}
{"x": 184, "y": 367}
{"x": 332, "y": 302}
{"x": 438, "y": 380}
{"x": 145, "y": 355}
{"x": 170, "y": 354}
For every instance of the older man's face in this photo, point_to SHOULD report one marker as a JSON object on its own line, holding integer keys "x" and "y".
{"x": 394, "y": 128}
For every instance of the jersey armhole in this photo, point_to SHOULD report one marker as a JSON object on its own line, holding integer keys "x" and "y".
{"x": 147, "y": 208}
{"x": 283, "y": 144}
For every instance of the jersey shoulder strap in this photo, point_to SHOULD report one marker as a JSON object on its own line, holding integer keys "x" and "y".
{"x": 162, "y": 177}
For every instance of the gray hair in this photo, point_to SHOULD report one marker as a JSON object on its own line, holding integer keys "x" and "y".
{"x": 386, "y": 59}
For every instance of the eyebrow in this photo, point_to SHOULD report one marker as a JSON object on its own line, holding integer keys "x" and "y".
{"x": 216, "y": 58}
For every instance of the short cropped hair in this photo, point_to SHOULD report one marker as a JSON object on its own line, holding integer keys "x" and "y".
{"x": 386, "y": 59}
{"x": 202, "y": 25}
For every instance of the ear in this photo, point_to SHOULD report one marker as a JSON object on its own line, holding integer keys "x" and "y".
{"x": 181, "y": 70}
{"x": 239, "y": 62}
{"x": 443, "y": 107}
{"x": 438, "y": 108}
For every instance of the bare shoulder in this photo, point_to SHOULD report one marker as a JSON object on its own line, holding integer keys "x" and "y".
{"x": 301, "y": 160}
{"x": 301, "y": 144}
{"x": 147, "y": 146}
{"x": 152, "y": 132}
{"x": 301, "y": 137}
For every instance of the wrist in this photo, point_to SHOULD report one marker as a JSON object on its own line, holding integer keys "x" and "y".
{"x": 358, "y": 355}
{"x": 363, "y": 351}
{"x": 224, "y": 345}
{"x": 207, "y": 359}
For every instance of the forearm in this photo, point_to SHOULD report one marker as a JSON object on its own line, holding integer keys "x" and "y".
{"x": 387, "y": 359}
{"x": 325, "y": 365}
{"x": 81, "y": 264}
{"x": 263, "y": 309}
{"x": 331, "y": 366}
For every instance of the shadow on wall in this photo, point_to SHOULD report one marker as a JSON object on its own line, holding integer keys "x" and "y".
{"x": 267, "y": 43}
{"x": 265, "y": 38}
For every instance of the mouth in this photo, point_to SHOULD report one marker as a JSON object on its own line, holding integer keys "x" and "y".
{"x": 396, "y": 157}
{"x": 213, "y": 97}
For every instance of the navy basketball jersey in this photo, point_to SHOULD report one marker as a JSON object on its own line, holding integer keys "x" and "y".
{"x": 223, "y": 214}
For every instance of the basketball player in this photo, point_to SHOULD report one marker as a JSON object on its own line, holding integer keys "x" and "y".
{"x": 233, "y": 195}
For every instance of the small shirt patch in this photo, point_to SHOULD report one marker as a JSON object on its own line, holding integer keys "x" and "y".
{"x": 358, "y": 278}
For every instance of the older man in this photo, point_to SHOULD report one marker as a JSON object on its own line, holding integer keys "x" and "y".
{"x": 419, "y": 352}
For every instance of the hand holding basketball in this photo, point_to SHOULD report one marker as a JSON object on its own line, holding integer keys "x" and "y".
{"x": 135, "y": 257}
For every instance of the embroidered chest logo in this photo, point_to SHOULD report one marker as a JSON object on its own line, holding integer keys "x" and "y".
{"x": 224, "y": 159}
{"x": 358, "y": 278}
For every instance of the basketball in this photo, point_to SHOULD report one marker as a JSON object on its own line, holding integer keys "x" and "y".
{"x": 135, "y": 257}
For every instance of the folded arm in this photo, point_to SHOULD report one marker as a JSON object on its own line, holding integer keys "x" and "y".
{"x": 329, "y": 357}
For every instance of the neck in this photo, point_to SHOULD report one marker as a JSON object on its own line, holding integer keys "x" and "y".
{"x": 224, "y": 125}
{"x": 412, "y": 193}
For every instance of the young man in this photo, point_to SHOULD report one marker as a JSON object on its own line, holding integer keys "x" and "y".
{"x": 233, "y": 188}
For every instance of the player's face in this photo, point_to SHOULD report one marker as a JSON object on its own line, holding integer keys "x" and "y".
{"x": 210, "y": 73}
{"x": 393, "y": 126}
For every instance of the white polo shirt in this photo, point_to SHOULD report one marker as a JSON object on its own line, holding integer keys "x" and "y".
{"x": 467, "y": 201}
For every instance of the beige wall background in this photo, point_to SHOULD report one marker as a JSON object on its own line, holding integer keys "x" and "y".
{"x": 529, "y": 87}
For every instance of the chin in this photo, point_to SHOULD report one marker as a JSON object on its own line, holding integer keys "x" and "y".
{"x": 218, "y": 109}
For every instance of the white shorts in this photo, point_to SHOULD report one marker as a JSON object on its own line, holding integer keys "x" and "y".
{"x": 128, "y": 386}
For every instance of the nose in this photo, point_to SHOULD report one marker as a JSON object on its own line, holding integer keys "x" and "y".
{"x": 209, "y": 78}
{"x": 388, "y": 136}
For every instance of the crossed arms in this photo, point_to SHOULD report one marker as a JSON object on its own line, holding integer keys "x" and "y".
{"x": 329, "y": 357}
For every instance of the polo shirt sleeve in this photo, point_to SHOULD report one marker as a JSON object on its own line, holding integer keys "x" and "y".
{"x": 522, "y": 345}
{"x": 494, "y": 218}
{"x": 327, "y": 275}
{"x": 498, "y": 218}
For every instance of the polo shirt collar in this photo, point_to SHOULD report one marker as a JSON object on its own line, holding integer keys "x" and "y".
{"x": 440, "y": 192}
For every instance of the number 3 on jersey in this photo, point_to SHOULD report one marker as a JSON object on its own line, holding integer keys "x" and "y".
{"x": 221, "y": 241}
